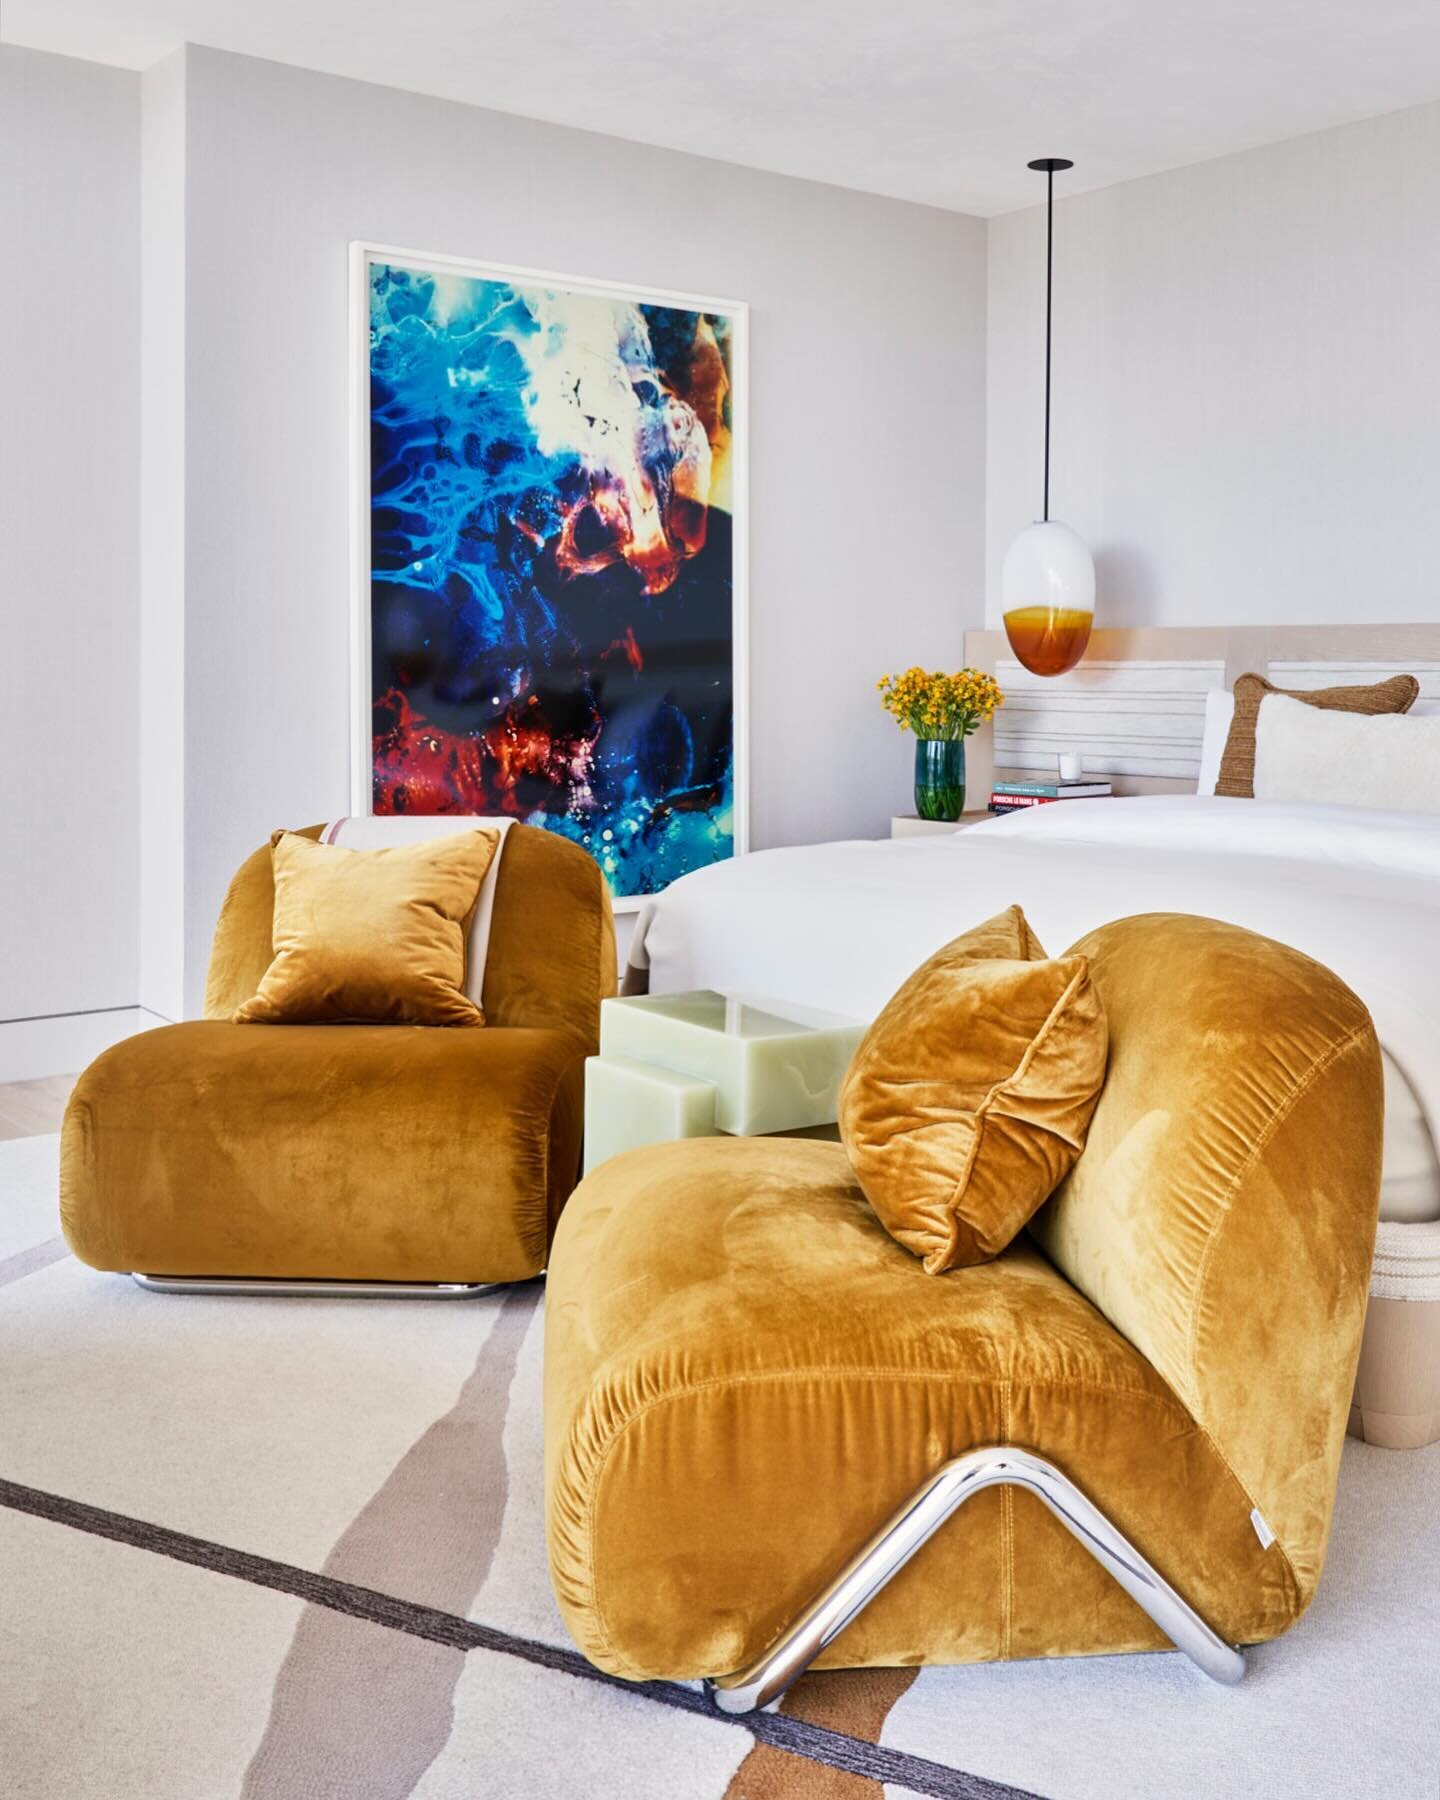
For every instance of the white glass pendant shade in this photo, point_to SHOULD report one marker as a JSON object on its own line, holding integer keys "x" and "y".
{"x": 1048, "y": 597}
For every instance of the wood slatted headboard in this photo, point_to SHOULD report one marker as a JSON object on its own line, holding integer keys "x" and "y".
{"x": 1135, "y": 707}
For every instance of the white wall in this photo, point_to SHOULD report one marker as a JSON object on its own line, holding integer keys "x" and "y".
{"x": 1247, "y": 382}
{"x": 163, "y": 697}
{"x": 1247, "y": 428}
{"x": 867, "y": 402}
{"x": 69, "y": 398}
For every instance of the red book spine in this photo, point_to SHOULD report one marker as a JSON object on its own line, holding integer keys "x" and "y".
{"x": 1012, "y": 802}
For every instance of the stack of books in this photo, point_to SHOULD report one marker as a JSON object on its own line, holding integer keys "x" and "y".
{"x": 1012, "y": 793}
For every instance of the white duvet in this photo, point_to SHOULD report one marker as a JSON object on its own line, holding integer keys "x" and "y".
{"x": 840, "y": 926}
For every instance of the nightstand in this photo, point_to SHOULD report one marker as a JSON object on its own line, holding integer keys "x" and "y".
{"x": 908, "y": 825}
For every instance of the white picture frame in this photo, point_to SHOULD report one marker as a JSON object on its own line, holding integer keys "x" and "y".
{"x": 363, "y": 253}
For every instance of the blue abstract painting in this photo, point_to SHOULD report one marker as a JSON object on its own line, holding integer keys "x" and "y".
{"x": 552, "y": 497}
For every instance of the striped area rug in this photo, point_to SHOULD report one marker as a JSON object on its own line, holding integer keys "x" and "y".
{"x": 293, "y": 1550}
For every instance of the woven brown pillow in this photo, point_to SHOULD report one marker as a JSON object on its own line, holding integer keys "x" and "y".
{"x": 1237, "y": 765}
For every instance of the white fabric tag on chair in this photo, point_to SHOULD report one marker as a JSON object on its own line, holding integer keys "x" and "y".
{"x": 371, "y": 833}
{"x": 1262, "y": 1530}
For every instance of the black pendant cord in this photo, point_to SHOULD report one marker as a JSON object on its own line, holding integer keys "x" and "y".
{"x": 1049, "y": 289}
{"x": 1049, "y": 164}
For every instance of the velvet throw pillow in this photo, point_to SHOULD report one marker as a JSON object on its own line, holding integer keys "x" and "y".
{"x": 1237, "y": 765}
{"x": 371, "y": 935}
{"x": 969, "y": 1098}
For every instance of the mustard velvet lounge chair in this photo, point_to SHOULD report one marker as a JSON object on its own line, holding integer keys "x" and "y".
{"x": 351, "y": 1158}
{"x": 1124, "y": 1431}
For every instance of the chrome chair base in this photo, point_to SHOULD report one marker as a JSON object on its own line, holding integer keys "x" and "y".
{"x": 852, "y": 1590}
{"x": 367, "y": 1290}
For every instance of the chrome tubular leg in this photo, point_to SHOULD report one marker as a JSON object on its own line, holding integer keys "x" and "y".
{"x": 767, "y": 1678}
{"x": 365, "y": 1290}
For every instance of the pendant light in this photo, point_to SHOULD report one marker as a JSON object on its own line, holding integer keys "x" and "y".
{"x": 1048, "y": 582}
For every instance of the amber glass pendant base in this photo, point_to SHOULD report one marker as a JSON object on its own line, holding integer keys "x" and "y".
{"x": 1048, "y": 640}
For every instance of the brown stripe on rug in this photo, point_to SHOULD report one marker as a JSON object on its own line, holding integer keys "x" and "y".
{"x": 855, "y": 1702}
{"x": 31, "y": 1261}
{"x": 359, "y": 1711}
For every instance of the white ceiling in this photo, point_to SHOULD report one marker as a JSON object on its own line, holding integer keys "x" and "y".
{"x": 942, "y": 101}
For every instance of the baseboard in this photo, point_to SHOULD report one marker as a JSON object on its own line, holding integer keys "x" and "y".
{"x": 64, "y": 1043}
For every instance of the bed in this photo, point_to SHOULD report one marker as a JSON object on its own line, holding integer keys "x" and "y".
{"x": 840, "y": 925}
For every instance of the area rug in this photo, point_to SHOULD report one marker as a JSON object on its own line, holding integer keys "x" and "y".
{"x": 293, "y": 1550}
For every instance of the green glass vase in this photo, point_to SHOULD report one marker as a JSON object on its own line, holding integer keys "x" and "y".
{"x": 940, "y": 777}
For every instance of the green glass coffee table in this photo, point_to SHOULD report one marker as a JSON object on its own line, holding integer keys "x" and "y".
{"x": 703, "y": 1064}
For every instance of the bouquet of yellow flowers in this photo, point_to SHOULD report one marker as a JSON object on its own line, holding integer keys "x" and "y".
{"x": 938, "y": 706}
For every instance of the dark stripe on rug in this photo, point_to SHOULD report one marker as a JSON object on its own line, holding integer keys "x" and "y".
{"x": 853, "y": 1702}
{"x": 937, "y": 1781}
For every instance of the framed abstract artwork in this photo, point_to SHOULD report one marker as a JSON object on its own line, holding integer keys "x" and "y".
{"x": 550, "y": 559}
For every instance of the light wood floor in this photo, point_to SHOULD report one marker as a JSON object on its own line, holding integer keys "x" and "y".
{"x": 33, "y": 1108}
